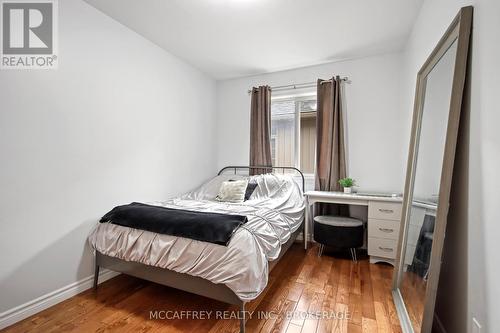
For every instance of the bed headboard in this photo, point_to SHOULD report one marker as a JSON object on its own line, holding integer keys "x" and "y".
{"x": 272, "y": 168}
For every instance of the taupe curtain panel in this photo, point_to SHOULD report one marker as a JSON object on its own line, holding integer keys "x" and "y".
{"x": 260, "y": 128}
{"x": 330, "y": 151}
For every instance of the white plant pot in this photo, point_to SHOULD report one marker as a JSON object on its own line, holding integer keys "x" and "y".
{"x": 347, "y": 189}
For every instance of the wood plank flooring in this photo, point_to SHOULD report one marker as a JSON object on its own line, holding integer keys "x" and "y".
{"x": 413, "y": 287}
{"x": 305, "y": 294}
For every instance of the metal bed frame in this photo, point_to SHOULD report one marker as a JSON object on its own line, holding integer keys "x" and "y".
{"x": 186, "y": 282}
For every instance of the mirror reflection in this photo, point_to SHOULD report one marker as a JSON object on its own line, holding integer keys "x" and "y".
{"x": 430, "y": 152}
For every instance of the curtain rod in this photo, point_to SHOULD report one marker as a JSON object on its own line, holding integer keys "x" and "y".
{"x": 302, "y": 85}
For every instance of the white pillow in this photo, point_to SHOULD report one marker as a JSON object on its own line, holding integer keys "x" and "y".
{"x": 232, "y": 191}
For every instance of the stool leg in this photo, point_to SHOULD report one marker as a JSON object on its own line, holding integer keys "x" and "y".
{"x": 320, "y": 250}
{"x": 353, "y": 254}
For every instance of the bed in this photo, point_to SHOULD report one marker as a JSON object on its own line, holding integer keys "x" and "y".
{"x": 236, "y": 273}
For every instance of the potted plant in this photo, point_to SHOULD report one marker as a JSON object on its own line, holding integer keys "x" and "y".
{"x": 347, "y": 183}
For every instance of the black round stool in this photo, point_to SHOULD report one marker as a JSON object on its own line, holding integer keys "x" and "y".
{"x": 340, "y": 232}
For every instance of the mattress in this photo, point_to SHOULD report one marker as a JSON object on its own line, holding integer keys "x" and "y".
{"x": 275, "y": 210}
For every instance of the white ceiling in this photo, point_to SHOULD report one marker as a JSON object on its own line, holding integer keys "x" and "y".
{"x": 232, "y": 38}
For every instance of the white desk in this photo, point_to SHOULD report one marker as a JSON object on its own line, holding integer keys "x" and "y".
{"x": 383, "y": 212}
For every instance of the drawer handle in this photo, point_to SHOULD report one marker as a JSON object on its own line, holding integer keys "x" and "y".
{"x": 385, "y": 210}
{"x": 386, "y": 249}
{"x": 386, "y": 230}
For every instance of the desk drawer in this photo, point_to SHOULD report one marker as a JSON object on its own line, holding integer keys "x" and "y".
{"x": 383, "y": 229}
{"x": 382, "y": 247}
{"x": 384, "y": 210}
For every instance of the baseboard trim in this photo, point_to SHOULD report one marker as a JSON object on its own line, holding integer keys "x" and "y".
{"x": 30, "y": 308}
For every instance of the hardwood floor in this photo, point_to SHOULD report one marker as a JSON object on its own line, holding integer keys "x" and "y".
{"x": 338, "y": 295}
{"x": 413, "y": 287}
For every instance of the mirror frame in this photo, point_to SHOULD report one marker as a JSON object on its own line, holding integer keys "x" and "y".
{"x": 459, "y": 31}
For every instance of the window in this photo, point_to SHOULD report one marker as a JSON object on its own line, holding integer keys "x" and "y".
{"x": 293, "y": 132}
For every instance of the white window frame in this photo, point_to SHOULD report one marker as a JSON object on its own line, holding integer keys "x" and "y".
{"x": 297, "y": 98}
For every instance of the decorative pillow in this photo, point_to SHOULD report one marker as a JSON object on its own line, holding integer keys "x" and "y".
{"x": 232, "y": 191}
{"x": 250, "y": 188}
{"x": 252, "y": 185}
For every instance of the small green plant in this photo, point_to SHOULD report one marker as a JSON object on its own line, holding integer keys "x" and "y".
{"x": 347, "y": 182}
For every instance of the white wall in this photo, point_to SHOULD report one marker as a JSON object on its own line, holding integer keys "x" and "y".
{"x": 376, "y": 138}
{"x": 469, "y": 282}
{"x": 120, "y": 120}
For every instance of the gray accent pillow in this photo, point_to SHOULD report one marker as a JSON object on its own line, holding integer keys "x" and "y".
{"x": 250, "y": 188}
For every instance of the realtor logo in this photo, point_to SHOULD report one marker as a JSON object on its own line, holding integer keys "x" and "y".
{"x": 28, "y": 34}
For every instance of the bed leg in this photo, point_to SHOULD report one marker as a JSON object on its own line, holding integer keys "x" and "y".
{"x": 96, "y": 273}
{"x": 242, "y": 318}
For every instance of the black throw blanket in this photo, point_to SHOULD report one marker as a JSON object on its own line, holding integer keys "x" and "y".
{"x": 208, "y": 227}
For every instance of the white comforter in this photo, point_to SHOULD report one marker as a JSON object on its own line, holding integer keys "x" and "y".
{"x": 275, "y": 210}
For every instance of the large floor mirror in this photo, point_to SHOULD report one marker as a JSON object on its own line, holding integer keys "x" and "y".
{"x": 438, "y": 103}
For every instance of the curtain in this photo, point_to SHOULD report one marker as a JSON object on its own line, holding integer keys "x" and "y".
{"x": 260, "y": 129}
{"x": 330, "y": 147}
